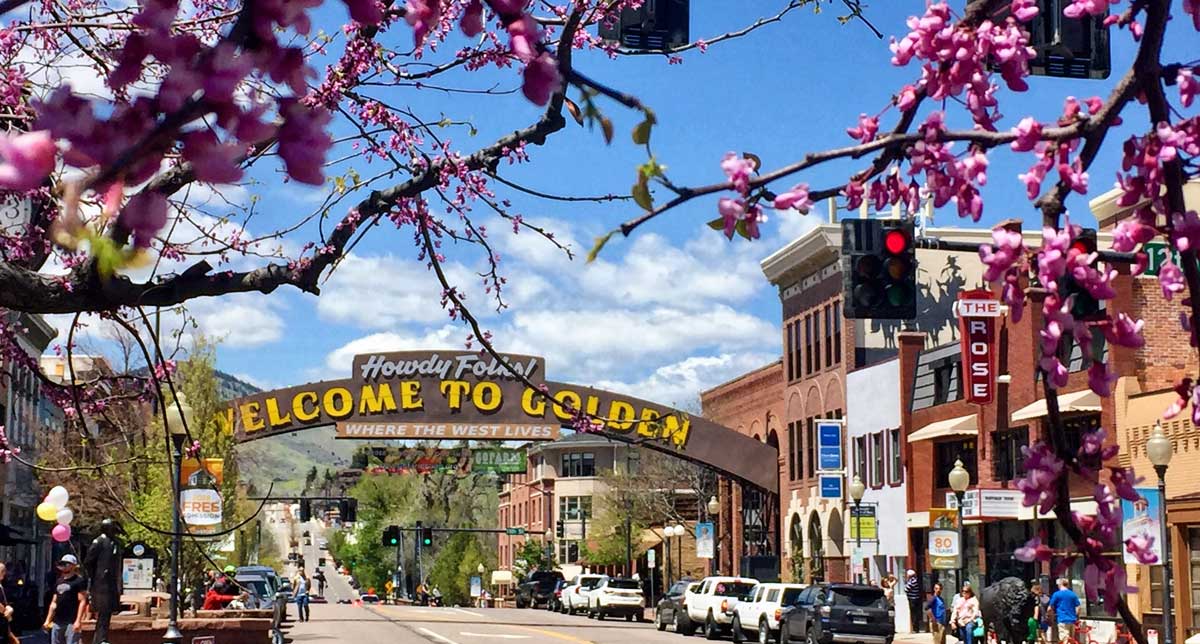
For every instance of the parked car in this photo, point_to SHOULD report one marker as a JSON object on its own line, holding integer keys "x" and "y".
{"x": 261, "y": 593}
{"x": 713, "y": 603}
{"x": 266, "y": 571}
{"x": 672, "y": 609}
{"x": 758, "y": 617}
{"x": 617, "y": 596}
{"x": 555, "y": 603}
{"x": 537, "y": 589}
{"x": 577, "y": 595}
{"x": 842, "y": 613}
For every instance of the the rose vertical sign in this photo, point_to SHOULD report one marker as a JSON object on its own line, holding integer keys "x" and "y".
{"x": 977, "y": 313}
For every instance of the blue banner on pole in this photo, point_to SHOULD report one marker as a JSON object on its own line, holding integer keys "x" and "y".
{"x": 829, "y": 444}
{"x": 831, "y": 486}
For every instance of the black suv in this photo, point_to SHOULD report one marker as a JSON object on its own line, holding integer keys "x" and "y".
{"x": 838, "y": 614}
{"x": 672, "y": 609}
{"x": 538, "y": 588}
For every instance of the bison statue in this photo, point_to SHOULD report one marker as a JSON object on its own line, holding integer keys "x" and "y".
{"x": 1007, "y": 606}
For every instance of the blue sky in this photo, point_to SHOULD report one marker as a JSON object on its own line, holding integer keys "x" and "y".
{"x": 676, "y": 308}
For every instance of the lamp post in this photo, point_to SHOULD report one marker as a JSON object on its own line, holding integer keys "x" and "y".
{"x": 1159, "y": 449}
{"x": 668, "y": 532}
{"x": 714, "y": 509}
{"x": 179, "y": 416}
{"x": 679, "y": 532}
{"x": 960, "y": 479}
{"x": 857, "y": 489}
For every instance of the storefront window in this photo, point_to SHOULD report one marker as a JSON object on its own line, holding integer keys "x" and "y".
{"x": 1001, "y": 540}
{"x": 1008, "y": 461}
{"x": 951, "y": 451}
{"x": 1156, "y": 587}
{"x": 970, "y": 550}
{"x": 1060, "y": 541}
{"x": 1194, "y": 561}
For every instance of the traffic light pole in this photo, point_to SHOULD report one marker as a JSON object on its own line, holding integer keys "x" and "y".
{"x": 402, "y": 587}
{"x": 935, "y": 243}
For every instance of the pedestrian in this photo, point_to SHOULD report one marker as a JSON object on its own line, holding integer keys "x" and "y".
{"x": 1041, "y": 613}
{"x": 1065, "y": 604}
{"x": 966, "y": 615}
{"x": 938, "y": 615}
{"x": 912, "y": 591}
{"x": 7, "y": 636}
{"x": 319, "y": 575}
{"x": 888, "y": 584}
{"x": 70, "y": 603}
{"x": 302, "y": 595}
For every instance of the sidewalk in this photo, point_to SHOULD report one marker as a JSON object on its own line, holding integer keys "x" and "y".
{"x": 915, "y": 638}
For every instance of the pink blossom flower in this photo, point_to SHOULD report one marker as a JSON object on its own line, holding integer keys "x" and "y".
{"x": 1080, "y": 8}
{"x": 1005, "y": 251}
{"x": 1125, "y": 483}
{"x": 1034, "y": 550}
{"x": 144, "y": 216}
{"x": 1193, "y": 7}
{"x": 907, "y": 98}
{"x": 738, "y": 170}
{"x": 1185, "y": 230}
{"x": 542, "y": 79}
{"x": 854, "y": 193}
{"x": 422, "y": 16}
{"x": 1100, "y": 379}
{"x": 1189, "y": 86}
{"x": 212, "y": 161}
{"x": 508, "y": 7}
{"x": 25, "y": 160}
{"x": 303, "y": 140}
{"x": 1029, "y": 134}
{"x": 1170, "y": 279}
{"x": 1142, "y": 548}
{"x": 1042, "y": 471}
{"x": 1128, "y": 233}
{"x": 866, "y": 129}
{"x": 1024, "y": 10}
{"x": 732, "y": 211}
{"x": 796, "y": 198}
{"x": 365, "y": 12}
{"x": 472, "y": 19}
{"x": 523, "y": 38}
{"x": 1125, "y": 332}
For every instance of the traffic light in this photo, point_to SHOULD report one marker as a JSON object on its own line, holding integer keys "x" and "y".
{"x": 426, "y": 536}
{"x": 305, "y": 510}
{"x": 652, "y": 26}
{"x": 879, "y": 269}
{"x": 348, "y": 510}
{"x": 1083, "y": 305}
{"x": 559, "y": 529}
{"x": 391, "y": 536}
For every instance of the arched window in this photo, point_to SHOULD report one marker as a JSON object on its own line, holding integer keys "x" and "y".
{"x": 816, "y": 544}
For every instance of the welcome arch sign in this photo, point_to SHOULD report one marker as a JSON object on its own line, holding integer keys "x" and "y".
{"x": 459, "y": 395}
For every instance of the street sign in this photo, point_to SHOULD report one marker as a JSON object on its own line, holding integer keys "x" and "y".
{"x": 991, "y": 504}
{"x": 829, "y": 443}
{"x": 970, "y": 307}
{"x": 831, "y": 486}
{"x": 650, "y": 559}
{"x": 1157, "y": 254}
{"x": 514, "y": 531}
{"x": 978, "y": 347}
{"x": 862, "y": 520}
{"x": 502, "y": 460}
{"x": 944, "y": 550}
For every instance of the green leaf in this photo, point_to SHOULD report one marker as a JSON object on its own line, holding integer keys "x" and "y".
{"x": 606, "y": 126}
{"x": 641, "y": 193}
{"x": 600, "y": 242}
{"x": 717, "y": 224}
{"x": 641, "y": 133}
{"x": 741, "y": 229}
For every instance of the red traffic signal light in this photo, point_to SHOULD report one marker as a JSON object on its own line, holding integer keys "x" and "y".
{"x": 896, "y": 241}
{"x": 878, "y": 269}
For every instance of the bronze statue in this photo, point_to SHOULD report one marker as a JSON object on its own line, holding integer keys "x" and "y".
{"x": 103, "y": 567}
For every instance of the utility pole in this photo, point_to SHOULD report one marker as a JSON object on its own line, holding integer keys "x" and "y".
{"x": 628, "y": 539}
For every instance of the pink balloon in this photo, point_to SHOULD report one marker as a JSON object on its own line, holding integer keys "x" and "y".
{"x": 61, "y": 533}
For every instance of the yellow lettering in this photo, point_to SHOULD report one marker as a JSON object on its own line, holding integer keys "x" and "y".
{"x": 675, "y": 428}
{"x": 620, "y": 416}
{"x": 410, "y": 395}
{"x": 273, "y": 414}
{"x": 486, "y": 396}
{"x": 226, "y": 420}
{"x": 571, "y": 399}
{"x": 375, "y": 399}
{"x": 250, "y": 419}
{"x": 298, "y": 408}
{"x": 454, "y": 390}
{"x": 338, "y": 402}
{"x": 533, "y": 403}
{"x": 649, "y": 424}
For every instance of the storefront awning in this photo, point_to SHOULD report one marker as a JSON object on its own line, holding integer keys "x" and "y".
{"x": 502, "y": 577}
{"x": 1085, "y": 400}
{"x": 961, "y": 426}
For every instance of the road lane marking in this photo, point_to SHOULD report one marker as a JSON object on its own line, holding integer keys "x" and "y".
{"x": 440, "y": 638}
{"x": 554, "y": 634}
{"x": 501, "y": 636}
{"x": 471, "y": 613}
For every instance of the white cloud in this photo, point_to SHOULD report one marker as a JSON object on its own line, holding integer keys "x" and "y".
{"x": 679, "y": 384}
{"x": 447, "y": 337}
{"x": 239, "y": 320}
{"x": 381, "y": 292}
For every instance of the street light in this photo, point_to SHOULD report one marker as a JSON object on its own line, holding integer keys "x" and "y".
{"x": 960, "y": 479}
{"x": 714, "y": 509}
{"x": 179, "y": 416}
{"x": 857, "y": 490}
{"x": 1159, "y": 449}
{"x": 679, "y": 532}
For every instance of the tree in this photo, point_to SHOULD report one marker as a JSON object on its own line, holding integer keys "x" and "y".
{"x": 530, "y": 557}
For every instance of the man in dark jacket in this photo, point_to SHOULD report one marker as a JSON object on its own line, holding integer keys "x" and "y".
{"x": 912, "y": 590}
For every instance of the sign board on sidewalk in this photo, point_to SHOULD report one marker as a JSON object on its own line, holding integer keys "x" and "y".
{"x": 651, "y": 559}
{"x": 978, "y": 334}
{"x": 945, "y": 552}
{"x": 200, "y": 495}
{"x": 831, "y": 486}
{"x": 829, "y": 445}
{"x": 862, "y": 521}
{"x": 476, "y": 585}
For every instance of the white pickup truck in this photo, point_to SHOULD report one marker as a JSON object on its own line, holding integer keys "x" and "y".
{"x": 758, "y": 617}
{"x": 714, "y": 601}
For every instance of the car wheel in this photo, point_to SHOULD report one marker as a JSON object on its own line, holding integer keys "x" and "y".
{"x": 710, "y": 628}
{"x": 683, "y": 627}
{"x": 658, "y": 621}
{"x": 809, "y": 638}
{"x": 764, "y": 632}
{"x": 629, "y": 617}
{"x": 738, "y": 635}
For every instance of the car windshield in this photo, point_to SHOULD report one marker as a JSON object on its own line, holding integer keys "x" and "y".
{"x": 255, "y": 586}
{"x": 733, "y": 589}
{"x": 624, "y": 584}
{"x": 858, "y": 598}
{"x": 590, "y": 583}
{"x": 790, "y": 596}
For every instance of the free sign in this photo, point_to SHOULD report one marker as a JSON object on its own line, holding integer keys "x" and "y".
{"x": 977, "y": 327}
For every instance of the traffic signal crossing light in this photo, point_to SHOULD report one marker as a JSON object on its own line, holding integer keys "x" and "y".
{"x": 391, "y": 535}
{"x": 1083, "y": 305}
{"x": 305, "y": 510}
{"x": 426, "y": 536}
{"x": 879, "y": 269}
{"x": 559, "y": 530}
{"x": 348, "y": 510}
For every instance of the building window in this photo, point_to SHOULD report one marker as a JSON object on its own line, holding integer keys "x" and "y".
{"x": 1007, "y": 460}
{"x": 796, "y": 343}
{"x": 895, "y": 472}
{"x": 810, "y": 446}
{"x": 572, "y": 508}
{"x": 817, "y": 340}
{"x": 1156, "y": 588}
{"x": 837, "y": 332}
{"x": 579, "y": 464}
{"x": 568, "y": 552}
{"x": 789, "y": 349}
{"x": 877, "y": 459}
{"x": 860, "y": 458}
{"x": 1075, "y": 428}
{"x": 946, "y": 386}
{"x": 808, "y": 339}
{"x": 829, "y": 335}
{"x": 949, "y": 452}
{"x": 791, "y": 451}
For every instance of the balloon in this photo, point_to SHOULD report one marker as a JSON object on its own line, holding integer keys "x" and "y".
{"x": 65, "y": 516}
{"x": 61, "y": 533}
{"x": 58, "y": 496}
{"x": 47, "y": 511}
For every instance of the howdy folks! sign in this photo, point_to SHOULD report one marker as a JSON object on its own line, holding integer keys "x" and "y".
{"x": 431, "y": 395}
